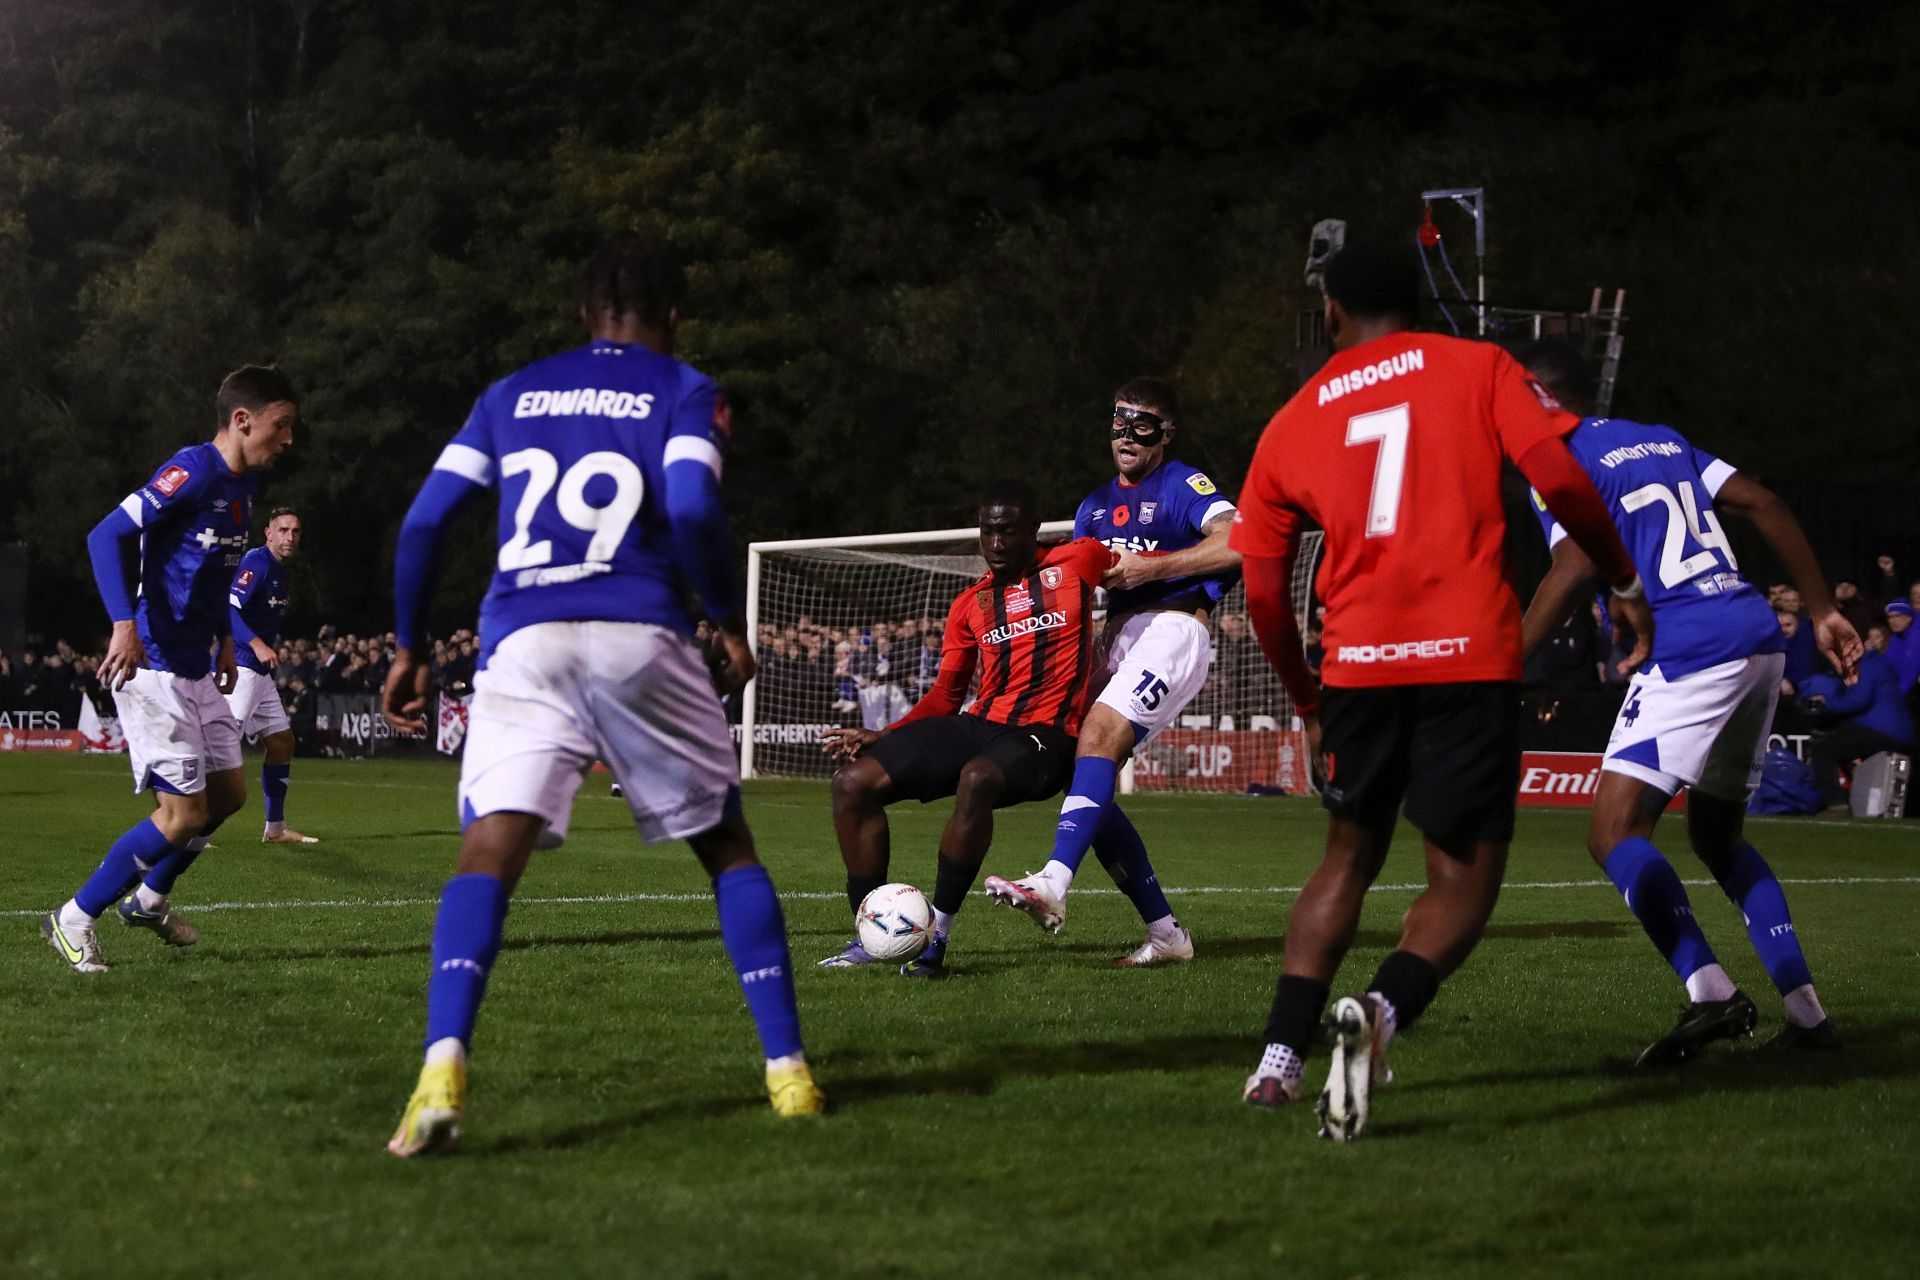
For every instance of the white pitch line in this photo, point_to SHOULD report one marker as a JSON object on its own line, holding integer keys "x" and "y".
{"x": 610, "y": 899}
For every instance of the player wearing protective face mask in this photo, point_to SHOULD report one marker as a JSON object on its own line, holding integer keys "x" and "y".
{"x": 1169, "y": 524}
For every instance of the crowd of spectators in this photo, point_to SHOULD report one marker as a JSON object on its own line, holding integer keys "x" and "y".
{"x": 871, "y": 673}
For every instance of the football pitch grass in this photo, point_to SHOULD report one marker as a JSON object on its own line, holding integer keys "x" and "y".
{"x": 221, "y": 1110}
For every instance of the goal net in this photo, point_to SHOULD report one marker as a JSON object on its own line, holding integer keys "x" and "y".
{"x": 848, "y": 632}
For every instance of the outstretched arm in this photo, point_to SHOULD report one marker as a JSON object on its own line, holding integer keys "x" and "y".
{"x": 1210, "y": 555}
{"x": 114, "y": 548}
{"x": 416, "y": 561}
{"x": 1739, "y": 495}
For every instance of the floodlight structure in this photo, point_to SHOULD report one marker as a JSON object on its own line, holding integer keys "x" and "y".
{"x": 1596, "y": 330}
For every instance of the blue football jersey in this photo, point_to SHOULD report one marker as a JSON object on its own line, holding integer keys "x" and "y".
{"x": 1659, "y": 489}
{"x": 259, "y": 592}
{"x": 1168, "y": 510}
{"x": 579, "y": 444}
{"x": 193, "y": 516}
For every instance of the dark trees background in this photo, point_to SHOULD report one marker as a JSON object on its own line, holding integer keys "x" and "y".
{"x": 925, "y": 240}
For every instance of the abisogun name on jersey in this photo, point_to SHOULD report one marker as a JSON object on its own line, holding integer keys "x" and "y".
{"x": 583, "y": 400}
{"x": 1372, "y": 375}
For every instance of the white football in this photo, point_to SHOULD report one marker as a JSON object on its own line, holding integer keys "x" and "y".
{"x": 895, "y": 922}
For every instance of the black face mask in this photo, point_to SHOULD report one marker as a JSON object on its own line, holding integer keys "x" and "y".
{"x": 1146, "y": 429}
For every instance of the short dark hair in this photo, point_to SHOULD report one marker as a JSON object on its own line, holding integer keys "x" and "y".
{"x": 1156, "y": 394}
{"x": 633, "y": 275}
{"x": 282, "y": 511}
{"x": 251, "y": 387}
{"x": 1561, "y": 368}
{"x": 1010, "y": 491}
{"x": 1371, "y": 280}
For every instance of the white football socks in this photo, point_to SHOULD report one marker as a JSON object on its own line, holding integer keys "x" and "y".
{"x": 1282, "y": 1063}
{"x": 1165, "y": 929}
{"x": 446, "y": 1049}
{"x": 276, "y": 828}
{"x": 1709, "y": 982}
{"x": 1803, "y": 1007}
{"x": 72, "y": 917}
{"x": 148, "y": 899}
{"x": 1058, "y": 875}
{"x": 1386, "y": 1019}
{"x": 943, "y": 922}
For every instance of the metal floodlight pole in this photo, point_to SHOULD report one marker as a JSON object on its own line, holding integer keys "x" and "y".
{"x": 1474, "y": 201}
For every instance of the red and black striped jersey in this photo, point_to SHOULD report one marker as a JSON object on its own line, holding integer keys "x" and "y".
{"x": 1031, "y": 638}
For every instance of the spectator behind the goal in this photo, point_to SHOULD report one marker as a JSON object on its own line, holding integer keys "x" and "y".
{"x": 1903, "y": 649}
{"x": 1874, "y": 715}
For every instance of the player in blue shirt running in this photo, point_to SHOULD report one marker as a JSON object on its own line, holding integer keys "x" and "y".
{"x": 608, "y": 462}
{"x": 162, "y": 561}
{"x": 1170, "y": 524}
{"x": 1698, "y": 714}
{"x": 257, "y": 604}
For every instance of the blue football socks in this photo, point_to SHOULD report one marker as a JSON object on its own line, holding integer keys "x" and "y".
{"x": 1089, "y": 800}
{"x": 1655, "y": 895}
{"x": 173, "y": 866}
{"x": 1750, "y": 882}
{"x": 755, "y": 934}
{"x": 273, "y": 787}
{"x": 140, "y": 848}
{"x": 1124, "y": 854}
{"x": 466, "y": 939}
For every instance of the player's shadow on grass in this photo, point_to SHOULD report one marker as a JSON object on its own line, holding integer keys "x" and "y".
{"x": 362, "y": 951}
{"x": 1876, "y": 1049}
{"x": 978, "y": 1076}
{"x": 1271, "y": 946}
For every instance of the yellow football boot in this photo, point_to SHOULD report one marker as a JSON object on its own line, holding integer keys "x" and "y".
{"x": 791, "y": 1090}
{"x": 432, "y": 1119}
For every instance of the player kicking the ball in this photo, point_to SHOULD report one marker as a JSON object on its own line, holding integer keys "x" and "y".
{"x": 258, "y": 604}
{"x": 1169, "y": 525}
{"x": 1027, "y": 625}
{"x": 1698, "y": 715}
{"x": 608, "y": 460}
{"x": 170, "y": 659}
{"x": 1395, "y": 449}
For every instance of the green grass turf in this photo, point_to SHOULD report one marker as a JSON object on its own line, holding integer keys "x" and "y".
{"x": 220, "y": 1111}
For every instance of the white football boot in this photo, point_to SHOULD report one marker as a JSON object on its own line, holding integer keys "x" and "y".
{"x": 1358, "y": 1063}
{"x": 1175, "y": 949}
{"x": 78, "y": 946}
{"x": 1034, "y": 895}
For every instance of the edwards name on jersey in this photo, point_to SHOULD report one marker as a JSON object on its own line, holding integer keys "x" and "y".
{"x": 579, "y": 444}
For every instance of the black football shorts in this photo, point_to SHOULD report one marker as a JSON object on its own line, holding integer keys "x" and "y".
{"x": 1451, "y": 752}
{"x": 924, "y": 758}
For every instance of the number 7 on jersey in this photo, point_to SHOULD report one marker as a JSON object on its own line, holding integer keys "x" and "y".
{"x": 1388, "y": 428}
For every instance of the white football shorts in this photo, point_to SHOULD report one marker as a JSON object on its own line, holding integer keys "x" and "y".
{"x": 1156, "y": 662}
{"x": 1707, "y": 730}
{"x": 255, "y": 703}
{"x": 557, "y": 696}
{"x": 177, "y": 729}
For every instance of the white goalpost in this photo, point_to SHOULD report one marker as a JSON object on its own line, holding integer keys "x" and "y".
{"x": 848, "y": 632}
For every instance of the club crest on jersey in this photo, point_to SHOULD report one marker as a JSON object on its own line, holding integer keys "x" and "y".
{"x": 1146, "y": 512}
{"x": 170, "y": 479}
{"x": 1120, "y": 517}
{"x": 1200, "y": 484}
{"x": 1050, "y": 577}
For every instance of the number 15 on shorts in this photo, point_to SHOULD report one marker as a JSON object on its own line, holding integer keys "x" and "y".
{"x": 1149, "y": 691}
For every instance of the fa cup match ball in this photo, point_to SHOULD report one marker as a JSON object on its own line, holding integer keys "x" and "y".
{"x": 895, "y": 922}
